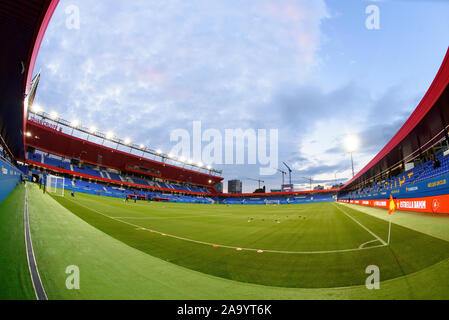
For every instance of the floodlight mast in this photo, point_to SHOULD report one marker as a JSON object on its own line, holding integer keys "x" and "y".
{"x": 351, "y": 144}
{"x": 352, "y": 164}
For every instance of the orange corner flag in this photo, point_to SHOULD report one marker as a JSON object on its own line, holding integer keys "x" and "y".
{"x": 392, "y": 205}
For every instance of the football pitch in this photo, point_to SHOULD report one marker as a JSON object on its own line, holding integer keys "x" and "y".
{"x": 302, "y": 245}
{"x": 317, "y": 250}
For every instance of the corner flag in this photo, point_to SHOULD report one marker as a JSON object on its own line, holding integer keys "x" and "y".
{"x": 392, "y": 205}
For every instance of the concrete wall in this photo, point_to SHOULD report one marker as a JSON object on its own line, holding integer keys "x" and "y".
{"x": 9, "y": 178}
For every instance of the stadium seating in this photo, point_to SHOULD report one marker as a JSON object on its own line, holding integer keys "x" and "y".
{"x": 419, "y": 173}
{"x": 57, "y": 163}
{"x": 87, "y": 170}
{"x": 140, "y": 181}
{"x": 96, "y": 188}
{"x": 114, "y": 176}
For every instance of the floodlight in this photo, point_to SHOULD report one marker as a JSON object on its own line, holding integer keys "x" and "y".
{"x": 127, "y": 141}
{"x": 92, "y": 129}
{"x": 54, "y": 115}
{"x": 200, "y": 164}
{"x": 159, "y": 151}
{"x": 75, "y": 123}
{"x": 36, "y": 108}
{"x": 210, "y": 181}
{"x": 209, "y": 167}
{"x": 170, "y": 155}
{"x": 190, "y": 161}
{"x": 182, "y": 159}
{"x": 351, "y": 143}
{"x": 109, "y": 135}
{"x": 142, "y": 146}
{"x": 28, "y": 134}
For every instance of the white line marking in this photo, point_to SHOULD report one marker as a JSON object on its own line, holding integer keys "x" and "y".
{"x": 38, "y": 287}
{"x": 370, "y": 232}
{"x": 225, "y": 246}
{"x": 363, "y": 244}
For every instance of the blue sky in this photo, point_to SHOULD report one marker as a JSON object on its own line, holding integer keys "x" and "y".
{"x": 310, "y": 69}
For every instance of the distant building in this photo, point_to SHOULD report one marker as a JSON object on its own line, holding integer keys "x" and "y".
{"x": 219, "y": 187}
{"x": 234, "y": 186}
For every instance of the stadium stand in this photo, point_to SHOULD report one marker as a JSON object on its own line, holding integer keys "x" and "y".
{"x": 56, "y": 162}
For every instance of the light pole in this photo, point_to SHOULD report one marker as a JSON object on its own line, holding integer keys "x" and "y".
{"x": 352, "y": 164}
{"x": 351, "y": 144}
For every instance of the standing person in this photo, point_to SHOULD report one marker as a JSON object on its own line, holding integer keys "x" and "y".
{"x": 44, "y": 178}
{"x": 40, "y": 181}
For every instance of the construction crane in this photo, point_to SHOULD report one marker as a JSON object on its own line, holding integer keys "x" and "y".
{"x": 258, "y": 180}
{"x": 289, "y": 173}
{"x": 308, "y": 179}
{"x": 283, "y": 174}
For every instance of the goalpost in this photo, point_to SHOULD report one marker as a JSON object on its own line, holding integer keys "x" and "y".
{"x": 55, "y": 185}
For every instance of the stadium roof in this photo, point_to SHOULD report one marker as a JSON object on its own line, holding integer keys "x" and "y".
{"x": 426, "y": 126}
{"x": 22, "y": 27}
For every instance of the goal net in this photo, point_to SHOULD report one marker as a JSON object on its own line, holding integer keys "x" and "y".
{"x": 273, "y": 202}
{"x": 55, "y": 185}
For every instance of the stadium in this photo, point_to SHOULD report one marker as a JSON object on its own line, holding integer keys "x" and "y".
{"x": 135, "y": 223}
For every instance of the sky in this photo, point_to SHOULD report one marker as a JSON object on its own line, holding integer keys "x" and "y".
{"x": 311, "y": 70}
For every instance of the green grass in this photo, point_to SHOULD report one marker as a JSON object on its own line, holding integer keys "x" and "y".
{"x": 436, "y": 225}
{"x": 111, "y": 269}
{"x": 15, "y": 281}
{"x": 302, "y": 228}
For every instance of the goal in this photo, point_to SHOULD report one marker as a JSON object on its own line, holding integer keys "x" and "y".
{"x": 272, "y": 202}
{"x": 55, "y": 185}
